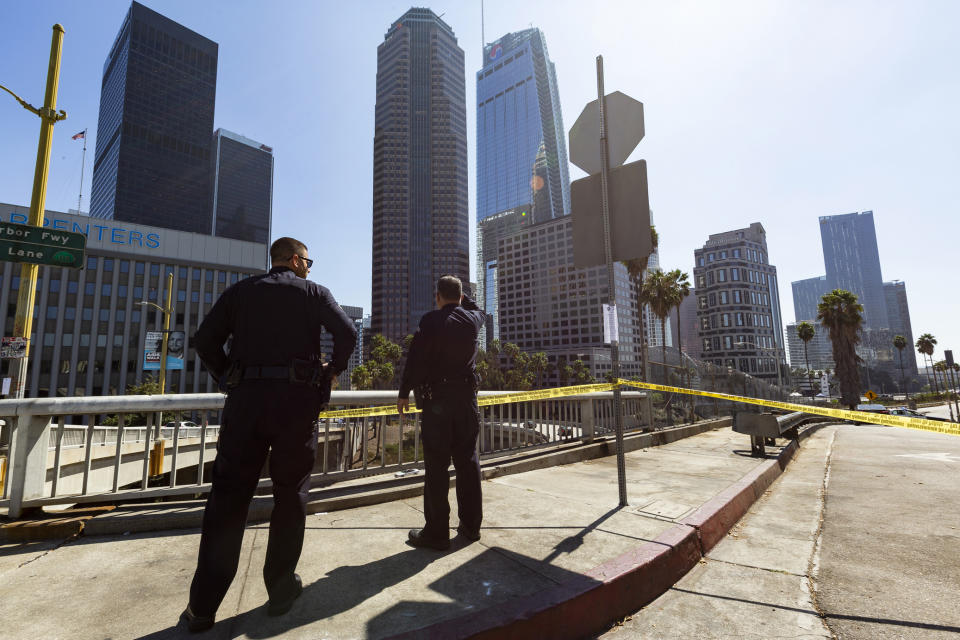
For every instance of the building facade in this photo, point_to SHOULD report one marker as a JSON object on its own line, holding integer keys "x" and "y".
{"x": 420, "y": 208}
{"x": 898, "y": 314}
{"x": 154, "y": 132}
{"x": 738, "y": 303}
{"x": 356, "y": 358}
{"x": 491, "y": 230}
{"x": 819, "y": 349}
{"x": 545, "y": 304}
{"x": 242, "y": 185}
{"x": 852, "y": 262}
{"x": 90, "y": 331}
{"x": 521, "y": 141}
{"x": 806, "y": 297}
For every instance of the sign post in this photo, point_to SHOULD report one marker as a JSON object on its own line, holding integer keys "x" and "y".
{"x": 601, "y": 139}
{"x": 49, "y": 116}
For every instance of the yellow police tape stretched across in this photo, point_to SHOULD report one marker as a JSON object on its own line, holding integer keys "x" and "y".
{"x": 559, "y": 392}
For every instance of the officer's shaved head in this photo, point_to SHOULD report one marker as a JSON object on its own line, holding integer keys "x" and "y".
{"x": 450, "y": 288}
{"x": 283, "y": 249}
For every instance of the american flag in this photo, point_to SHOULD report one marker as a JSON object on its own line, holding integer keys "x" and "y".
{"x": 82, "y": 134}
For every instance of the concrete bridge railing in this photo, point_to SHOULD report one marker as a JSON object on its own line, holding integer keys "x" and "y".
{"x": 61, "y": 452}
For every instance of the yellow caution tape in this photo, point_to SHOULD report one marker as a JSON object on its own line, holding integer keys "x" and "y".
{"x": 560, "y": 392}
{"x": 841, "y": 414}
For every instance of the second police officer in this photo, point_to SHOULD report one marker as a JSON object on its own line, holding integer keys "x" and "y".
{"x": 441, "y": 370}
{"x": 276, "y": 385}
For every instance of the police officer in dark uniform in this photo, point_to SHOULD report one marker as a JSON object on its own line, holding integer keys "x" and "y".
{"x": 441, "y": 370}
{"x": 276, "y": 385}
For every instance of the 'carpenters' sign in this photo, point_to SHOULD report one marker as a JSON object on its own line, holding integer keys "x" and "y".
{"x": 41, "y": 245}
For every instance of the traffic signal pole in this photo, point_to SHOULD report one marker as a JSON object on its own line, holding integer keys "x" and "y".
{"x": 611, "y": 282}
{"x": 23, "y": 323}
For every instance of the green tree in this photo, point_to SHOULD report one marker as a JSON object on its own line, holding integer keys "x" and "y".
{"x": 925, "y": 345}
{"x": 635, "y": 270}
{"x": 842, "y": 316}
{"x": 149, "y": 387}
{"x": 805, "y": 332}
{"x": 659, "y": 293}
{"x": 900, "y": 342}
{"x": 379, "y": 370}
{"x": 538, "y": 366}
{"x": 579, "y": 373}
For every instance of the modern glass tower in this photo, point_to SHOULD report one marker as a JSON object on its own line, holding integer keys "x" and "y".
{"x": 852, "y": 260}
{"x": 518, "y": 117}
{"x": 242, "y": 188}
{"x": 421, "y": 219}
{"x": 155, "y": 129}
{"x": 806, "y": 297}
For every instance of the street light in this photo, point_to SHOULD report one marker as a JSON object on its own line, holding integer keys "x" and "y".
{"x": 166, "y": 330}
{"x": 776, "y": 356}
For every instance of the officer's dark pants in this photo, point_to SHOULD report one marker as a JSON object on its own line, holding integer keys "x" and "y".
{"x": 258, "y": 417}
{"x": 450, "y": 425}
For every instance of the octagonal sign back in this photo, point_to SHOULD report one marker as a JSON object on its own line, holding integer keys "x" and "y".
{"x": 624, "y": 132}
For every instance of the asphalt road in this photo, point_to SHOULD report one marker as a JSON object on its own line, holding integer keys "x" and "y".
{"x": 857, "y": 540}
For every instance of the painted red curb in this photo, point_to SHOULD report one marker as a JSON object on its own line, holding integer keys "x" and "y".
{"x": 585, "y": 605}
{"x": 714, "y": 519}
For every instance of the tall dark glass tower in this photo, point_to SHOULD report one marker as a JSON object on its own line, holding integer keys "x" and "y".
{"x": 852, "y": 261}
{"x": 518, "y": 116}
{"x": 154, "y": 133}
{"x": 242, "y": 188}
{"x": 420, "y": 210}
{"x": 806, "y": 297}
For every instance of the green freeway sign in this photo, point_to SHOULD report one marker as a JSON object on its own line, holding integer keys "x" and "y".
{"x": 41, "y": 245}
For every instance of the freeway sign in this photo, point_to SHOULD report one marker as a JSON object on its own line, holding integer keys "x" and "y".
{"x": 41, "y": 245}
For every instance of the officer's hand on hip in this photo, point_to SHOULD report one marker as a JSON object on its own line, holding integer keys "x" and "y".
{"x": 403, "y": 404}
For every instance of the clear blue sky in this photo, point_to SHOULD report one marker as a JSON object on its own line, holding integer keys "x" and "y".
{"x": 769, "y": 111}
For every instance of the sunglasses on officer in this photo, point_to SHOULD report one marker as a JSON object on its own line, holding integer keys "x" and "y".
{"x": 306, "y": 261}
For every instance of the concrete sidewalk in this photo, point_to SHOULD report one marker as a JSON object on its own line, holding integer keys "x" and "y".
{"x": 549, "y": 536}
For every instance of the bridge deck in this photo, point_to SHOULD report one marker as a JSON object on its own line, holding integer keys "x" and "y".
{"x": 541, "y": 528}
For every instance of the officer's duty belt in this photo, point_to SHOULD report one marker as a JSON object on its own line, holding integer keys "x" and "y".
{"x": 266, "y": 373}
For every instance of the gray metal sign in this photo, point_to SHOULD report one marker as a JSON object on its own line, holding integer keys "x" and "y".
{"x": 629, "y": 216}
{"x": 624, "y": 123}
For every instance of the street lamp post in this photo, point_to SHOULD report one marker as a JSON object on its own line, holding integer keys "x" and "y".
{"x": 776, "y": 357}
{"x": 167, "y": 310}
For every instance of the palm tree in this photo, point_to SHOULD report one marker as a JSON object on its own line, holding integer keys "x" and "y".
{"x": 805, "y": 332}
{"x": 658, "y": 292}
{"x": 635, "y": 269}
{"x": 681, "y": 289}
{"x": 925, "y": 345}
{"x": 900, "y": 342}
{"x": 842, "y": 315}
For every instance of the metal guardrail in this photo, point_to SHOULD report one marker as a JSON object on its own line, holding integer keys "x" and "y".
{"x": 765, "y": 428}
{"x": 55, "y": 460}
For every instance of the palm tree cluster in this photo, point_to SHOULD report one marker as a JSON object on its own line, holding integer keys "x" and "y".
{"x": 842, "y": 315}
{"x": 664, "y": 291}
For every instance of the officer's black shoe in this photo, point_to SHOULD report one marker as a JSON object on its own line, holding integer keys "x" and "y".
{"x": 470, "y": 534}
{"x": 281, "y": 607}
{"x": 196, "y": 623}
{"x": 418, "y": 539}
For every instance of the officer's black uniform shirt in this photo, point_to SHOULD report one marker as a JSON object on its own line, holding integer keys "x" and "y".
{"x": 444, "y": 347}
{"x": 274, "y": 318}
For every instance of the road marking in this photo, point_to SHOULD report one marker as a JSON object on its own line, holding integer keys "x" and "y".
{"x": 936, "y": 457}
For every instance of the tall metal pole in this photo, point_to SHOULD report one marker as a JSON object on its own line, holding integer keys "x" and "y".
{"x": 23, "y": 323}
{"x": 83, "y": 165}
{"x": 611, "y": 284}
{"x": 166, "y": 335}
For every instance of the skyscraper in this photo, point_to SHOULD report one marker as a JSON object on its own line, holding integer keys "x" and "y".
{"x": 806, "y": 297}
{"x": 420, "y": 210}
{"x": 242, "y": 188}
{"x": 154, "y": 133}
{"x": 738, "y": 303}
{"x": 518, "y": 117}
{"x": 898, "y": 313}
{"x": 852, "y": 261}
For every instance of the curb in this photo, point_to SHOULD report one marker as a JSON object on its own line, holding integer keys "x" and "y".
{"x": 188, "y": 514}
{"x": 586, "y": 606}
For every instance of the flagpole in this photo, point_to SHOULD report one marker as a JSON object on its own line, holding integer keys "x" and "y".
{"x": 83, "y": 163}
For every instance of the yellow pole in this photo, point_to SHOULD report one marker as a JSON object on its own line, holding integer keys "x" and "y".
{"x": 23, "y": 323}
{"x": 166, "y": 335}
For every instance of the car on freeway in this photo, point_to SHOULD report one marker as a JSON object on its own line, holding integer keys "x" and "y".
{"x": 870, "y": 408}
{"x": 910, "y": 413}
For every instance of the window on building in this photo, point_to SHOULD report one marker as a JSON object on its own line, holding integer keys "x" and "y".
{"x": 723, "y": 255}
{"x": 89, "y": 288}
{"x": 154, "y": 269}
{"x": 702, "y": 302}
{"x": 724, "y": 297}
{"x": 725, "y": 319}
{"x": 735, "y": 275}
{"x": 140, "y": 268}
{"x": 135, "y": 316}
{"x": 85, "y": 340}
{"x": 72, "y": 287}
{"x": 51, "y": 313}
{"x": 54, "y": 285}
{"x": 70, "y": 313}
{"x": 728, "y": 342}
{"x": 711, "y": 257}
{"x": 737, "y": 299}
{"x": 124, "y": 266}
{"x": 104, "y": 315}
{"x": 706, "y": 344}
{"x": 101, "y": 340}
{"x": 67, "y": 339}
{"x": 105, "y": 290}
{"x": 91, "y": 262}
{"x": 87, "y": 313}
{"x": 108, "y": 264}
{"x": 722, "y": 275}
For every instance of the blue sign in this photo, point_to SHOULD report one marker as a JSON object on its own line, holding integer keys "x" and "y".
{"x": 98, "y": 232}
